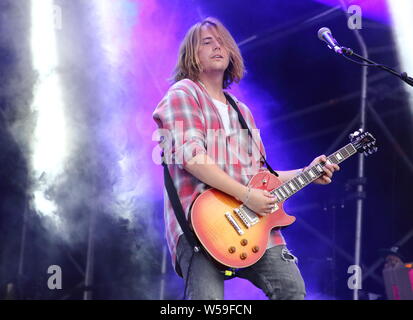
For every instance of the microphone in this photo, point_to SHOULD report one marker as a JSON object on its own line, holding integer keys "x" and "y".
{"x": 324, "y": 34}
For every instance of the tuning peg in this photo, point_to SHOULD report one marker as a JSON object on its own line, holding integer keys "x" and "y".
{"x": 353, "y": 135}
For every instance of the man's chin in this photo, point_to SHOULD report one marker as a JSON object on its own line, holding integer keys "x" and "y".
{"x": 215, "y": 69}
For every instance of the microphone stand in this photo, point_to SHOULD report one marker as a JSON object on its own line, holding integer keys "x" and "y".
{"x": 403, "y": 76}
{"x": 360, "y": 172}
{"x": 348, "y": 53}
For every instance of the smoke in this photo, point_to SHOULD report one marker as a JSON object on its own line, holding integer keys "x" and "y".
{"x": 101, "y": 165}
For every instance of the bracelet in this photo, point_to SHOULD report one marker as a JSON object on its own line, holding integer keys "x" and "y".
{"x": 248, "y": 195}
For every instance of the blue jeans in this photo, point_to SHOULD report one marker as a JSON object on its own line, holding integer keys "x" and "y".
{"x": 276, "y": 273}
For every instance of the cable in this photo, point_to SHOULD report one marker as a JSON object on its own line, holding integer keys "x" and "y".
{"x": 349, "y": 52}
{"x": 362, "y": 64}
{"x": 187, "y": 274}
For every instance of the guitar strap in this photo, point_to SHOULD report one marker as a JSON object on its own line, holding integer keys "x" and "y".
{"x": 245, "y": 126}
{"x": 177, "y": 206}
{"x": 188, "y": 233}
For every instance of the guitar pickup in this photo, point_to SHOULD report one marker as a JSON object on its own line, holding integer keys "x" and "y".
{"x": 234, "y": 223}
{"x": 247, "y": 216}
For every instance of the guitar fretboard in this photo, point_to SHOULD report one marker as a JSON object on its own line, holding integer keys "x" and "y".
{"x": 310, "y": 174}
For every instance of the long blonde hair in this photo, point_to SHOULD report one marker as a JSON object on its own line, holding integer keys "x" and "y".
{"x": 188, "y": 65}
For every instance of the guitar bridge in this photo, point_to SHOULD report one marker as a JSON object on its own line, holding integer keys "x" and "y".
{"x": 247, "y": 216}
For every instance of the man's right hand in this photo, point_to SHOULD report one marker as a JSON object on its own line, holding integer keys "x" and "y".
{"x": 260, "y": 201}
{"x": 204, "y": 169}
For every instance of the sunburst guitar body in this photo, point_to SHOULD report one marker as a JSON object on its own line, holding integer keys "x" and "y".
{"x": 232, "y": 234}
{"x": 237, "y": 237}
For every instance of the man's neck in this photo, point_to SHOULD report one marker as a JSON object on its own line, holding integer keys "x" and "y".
{"x": 213, "y": 85}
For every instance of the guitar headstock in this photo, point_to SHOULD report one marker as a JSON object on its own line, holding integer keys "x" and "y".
{"x": 364, "y": 142}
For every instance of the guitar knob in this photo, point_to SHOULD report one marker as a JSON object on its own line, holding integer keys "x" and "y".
{"x": 255, "y": 249}
{"x": 243, "y": 256}
{"x": 232, "y": 249}
{"x": 244, "y": 242}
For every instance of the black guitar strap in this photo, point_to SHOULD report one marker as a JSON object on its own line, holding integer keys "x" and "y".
{"x": 177, "y": 206}
{"x": 188, "y": 233}
{"x": 180, "y": 216}
{"x": 245, "y": 126}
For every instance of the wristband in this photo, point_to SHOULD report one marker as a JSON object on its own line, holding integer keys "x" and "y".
{"x": 248, "y": 195}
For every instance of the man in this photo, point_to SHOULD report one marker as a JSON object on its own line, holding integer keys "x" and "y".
{"x": 209, "y": 61}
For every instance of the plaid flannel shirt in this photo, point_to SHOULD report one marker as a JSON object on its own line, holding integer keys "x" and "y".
{"x": 189, "y": 124}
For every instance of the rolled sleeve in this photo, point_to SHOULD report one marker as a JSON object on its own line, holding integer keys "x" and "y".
{"x": 183, "y": 124}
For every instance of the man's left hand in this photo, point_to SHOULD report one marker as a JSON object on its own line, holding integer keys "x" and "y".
{"x": 329, "y": 168}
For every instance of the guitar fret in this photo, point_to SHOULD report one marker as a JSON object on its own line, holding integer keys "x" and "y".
{"x": 314, "y": 171}
{"x": 333, "y": 159}
{"x": 347, "y": 150}
{"x": 301, "y": 181}
{"x": 282, "y": 196}
{"x": 344, "y": 152}
{"x": 308, "y": 178}
{"x": 290, "y": 191}
{"x": 292, "y": 186}
{"x": 339, "y": 156}
{"x": 286, "y": 190}
{"x": 351, "y": 150}
{"x": 304, "y": 178}
{"x": 296, "y": 183}
{"x": 285, "y": 194}
{"x": 278, "y": 194}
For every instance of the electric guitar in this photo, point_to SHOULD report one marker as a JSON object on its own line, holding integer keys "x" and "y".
{"x": 237, "y": 237}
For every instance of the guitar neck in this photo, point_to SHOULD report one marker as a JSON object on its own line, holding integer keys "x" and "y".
{"x": 310, "y": 174}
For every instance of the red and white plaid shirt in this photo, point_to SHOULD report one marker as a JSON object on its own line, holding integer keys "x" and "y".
{"x": 190, "y": 124}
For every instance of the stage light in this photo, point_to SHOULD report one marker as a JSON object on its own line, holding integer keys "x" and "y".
{"x": 49, "y": 147}
{"x": 402, "y": 16}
